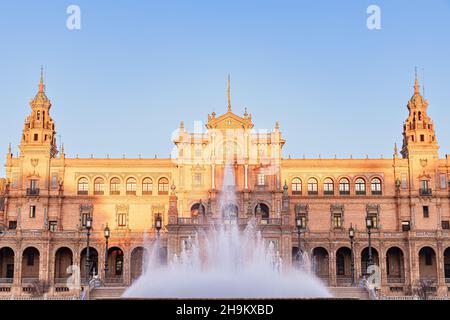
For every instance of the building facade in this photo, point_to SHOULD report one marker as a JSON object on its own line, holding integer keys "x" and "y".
{"x": 46, "y": 199}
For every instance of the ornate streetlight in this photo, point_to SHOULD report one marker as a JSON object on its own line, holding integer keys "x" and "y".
{"x": 88, "y": 258}
{"x": 300, "y": 223}
{"x": 351, "y": 235}
{"x": 158, "y": 224}
{"x": 107, "y": 234}
{"x": 369, "y": 226}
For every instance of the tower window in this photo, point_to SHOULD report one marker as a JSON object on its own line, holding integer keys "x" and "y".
{"x": 422, "y": 138}
{"x": 426, "y": 212}
{"x": 32, "y": 211}
{"x": 261, "y": 179}
{"x": 36, "y": 137}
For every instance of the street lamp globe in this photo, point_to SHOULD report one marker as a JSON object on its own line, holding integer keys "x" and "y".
{"x": 107, "y": 232}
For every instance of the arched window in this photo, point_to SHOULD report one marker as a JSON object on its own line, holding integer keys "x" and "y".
{"x": 114, "y": 186}
{"x": 375, "y": 186}
{"x": 99, "y": 186}
{"x": 131, "y": 186}
{"x": 312, "y": 186}
{"x": 296, "y": 186}
{"x": 360, "y": 186}
{"x": 344, "y": 187}
{"x": 147, "y": 186}
{"x": 163, "y": 186}
{"x": 83, "y": 185}
{"x": 328, "y": 187}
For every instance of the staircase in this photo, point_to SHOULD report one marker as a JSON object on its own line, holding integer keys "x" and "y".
{"x": 104, "y": 293}
{"x": 349, "y": 293}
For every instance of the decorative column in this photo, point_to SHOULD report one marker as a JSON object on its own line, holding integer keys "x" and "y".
{"x": 246, "y": 176}
{"x": 213, "y": 176}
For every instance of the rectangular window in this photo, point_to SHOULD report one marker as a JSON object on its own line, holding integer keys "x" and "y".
{"x": 32, "y": 211}
{"x": 426, "y": 212}
{"x": 54, "y": 182}
{"x": 446, "y": 225}
{"x": 33, "y": 184}
{"x": 404, "y": 181}
{"x": 12, "y": 225}
{"x": 52, "y": 226}
{"x": 443, "y": 181}
{"x": 197, "y": 179}
{"x": 422, "y": 138}
{"x": 261, "y": 179}
{"x": 337, "y": 221}
{"x": 122, "y": 220}
{"x": 406, "y": 226}
{"x": 36, "y": 136}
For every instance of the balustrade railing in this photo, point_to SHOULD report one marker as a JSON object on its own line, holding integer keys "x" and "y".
{"x": 6, "y": 280}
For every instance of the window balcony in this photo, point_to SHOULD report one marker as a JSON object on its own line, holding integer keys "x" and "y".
{"x": 99, "y": 193}
{"x": 131, "y": 193}
{"x": 271, "y": 221}
{"x": 360, "y": 193}
{"x": 313, "y": 193}
{"x": 328, "y": 193}
{"x": 146, "y": 193}
{"x": 114, "y": 193}
{"x": 344, "y": 192}
{"x": 296, "y": 193}
{"x": 376, "y": 193}
{"x": 82, "y": 192}
{"x": 32, "y": 192}
{"x": 425, "y": 192}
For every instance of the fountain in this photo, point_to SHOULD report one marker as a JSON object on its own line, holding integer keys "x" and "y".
{"x": 225, "y": 262}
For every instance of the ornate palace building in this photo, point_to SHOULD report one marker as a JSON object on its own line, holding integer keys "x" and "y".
{"x": 46, "y": 200}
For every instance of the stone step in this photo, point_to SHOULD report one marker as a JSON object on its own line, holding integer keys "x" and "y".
{"x": 337, "y": 292}
{"x": 107, "y": 293}
{"x": 349, "y": 293}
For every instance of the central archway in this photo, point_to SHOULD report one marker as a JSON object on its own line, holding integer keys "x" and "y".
{"x": 230, "y": 211}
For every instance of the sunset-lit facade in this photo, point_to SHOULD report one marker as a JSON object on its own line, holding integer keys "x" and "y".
{"x": 46, "y": 198}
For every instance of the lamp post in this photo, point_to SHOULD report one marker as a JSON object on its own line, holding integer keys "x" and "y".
{"x": 351, "y": 235}
{"x": 107, "y": 234}
{"x": 369, "y": 226}
{"x": 158, "y": 224}
{"x": 300, "y": 223}
{"x": 88, "y": 258}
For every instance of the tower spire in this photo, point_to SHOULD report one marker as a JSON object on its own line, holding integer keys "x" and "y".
{"x": 41, "y": 82}
{"x": 229, "y": 94}
{"x": 416, "y": 83}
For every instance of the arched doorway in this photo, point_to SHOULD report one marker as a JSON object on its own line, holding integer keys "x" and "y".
{"x": 115, "y": 265}
{"x": 365, "y": 260}
{"x": 427, "y": 264}
{"x": 263, "y": 210}
{"x": 395, "y": 265}
{"x": 93, "y": 262}
{"x": 6, "y": 265}
{"x": 447, "y": 265}
{"x": 320, "y": 263}
{"x": 197, "y": 209}
{"x": 230, "y": 212}
{"x": 344, "y": 266}
{"x": 63, "y": 259}
{"x": 30, "y": 265}
{"x": 138, "y": 258}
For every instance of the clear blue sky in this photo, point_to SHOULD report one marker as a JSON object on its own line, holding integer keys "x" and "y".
{"x": 123, "y": 83}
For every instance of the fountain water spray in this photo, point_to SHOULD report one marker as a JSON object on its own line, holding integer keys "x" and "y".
{"x": 224, "y": 262}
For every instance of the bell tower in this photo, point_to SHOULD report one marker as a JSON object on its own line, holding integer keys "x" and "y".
{"x": 39, "y": 129}
{"x": 419, "y": 138}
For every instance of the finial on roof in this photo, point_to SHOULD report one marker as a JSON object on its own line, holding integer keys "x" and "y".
{"x": 182, "y": 125}
{"x": 395, "y": 150}
{"x": 9, "y": 149}
{"x": 41, "y": 81}
{"x": 277, "y": 125}
{"x": 229, "y": 94}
